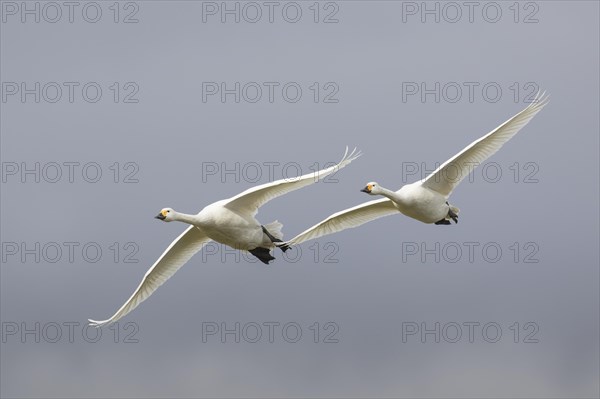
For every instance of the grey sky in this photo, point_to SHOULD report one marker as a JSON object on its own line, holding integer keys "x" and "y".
{"x": 374, "y": 283}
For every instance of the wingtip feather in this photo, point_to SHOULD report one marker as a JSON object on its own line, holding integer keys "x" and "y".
{"x": 355, "y": 153}
{"x": 97, "y": 324}
{"x": 540, "y": 100}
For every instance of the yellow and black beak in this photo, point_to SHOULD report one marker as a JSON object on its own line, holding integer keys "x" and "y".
{"x": 367, "y": 189}
{"x": 162, "y": 215}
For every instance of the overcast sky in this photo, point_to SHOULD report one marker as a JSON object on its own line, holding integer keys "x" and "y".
{"x": 104, "y": 123}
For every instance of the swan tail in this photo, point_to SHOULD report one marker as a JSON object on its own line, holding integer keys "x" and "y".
{"x": 274, "y": 228}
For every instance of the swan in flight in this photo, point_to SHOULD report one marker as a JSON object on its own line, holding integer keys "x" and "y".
{"x": 425, "y": 200}
{"x": 231, "y": 222}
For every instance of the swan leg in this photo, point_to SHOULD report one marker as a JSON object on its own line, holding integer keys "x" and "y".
{"x": 274, "y": 240}
{"x": 453, "y": 216}
{"x": 263, "y": 254}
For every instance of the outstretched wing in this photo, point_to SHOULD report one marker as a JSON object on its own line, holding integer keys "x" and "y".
{"x": 176, "y": 255}
{"x": 250, "y": 200}
{"x": 445, "y": 178}
{"x": 347, "y": 219}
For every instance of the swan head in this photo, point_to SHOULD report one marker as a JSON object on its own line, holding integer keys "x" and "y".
{"x": 166, "y": 215}
{"x": 371, "y": 188}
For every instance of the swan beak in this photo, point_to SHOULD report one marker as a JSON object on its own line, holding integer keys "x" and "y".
{"x": 365, "y": 190}
{"x": 160, "y": 216}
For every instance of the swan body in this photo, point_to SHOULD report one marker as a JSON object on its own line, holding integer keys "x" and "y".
{"x": 418, "y": 202}
{"x": 237, "y": 230}
{"x": 425, "y": 200}
{"x": 231, "y": 222}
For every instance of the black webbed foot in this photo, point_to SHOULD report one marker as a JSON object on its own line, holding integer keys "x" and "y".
{"x": 283, "y": 247}
{"x": 263, "y": 254}
{"x": 453, "y": 216}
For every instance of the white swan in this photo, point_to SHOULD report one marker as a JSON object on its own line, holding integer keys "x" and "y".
{"x": 425, "y": 200}
{"x": 231, "y": 222}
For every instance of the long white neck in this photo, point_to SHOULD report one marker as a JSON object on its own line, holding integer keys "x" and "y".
{"x": 185, "y": 218}
{"x": 388, "y": 193}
